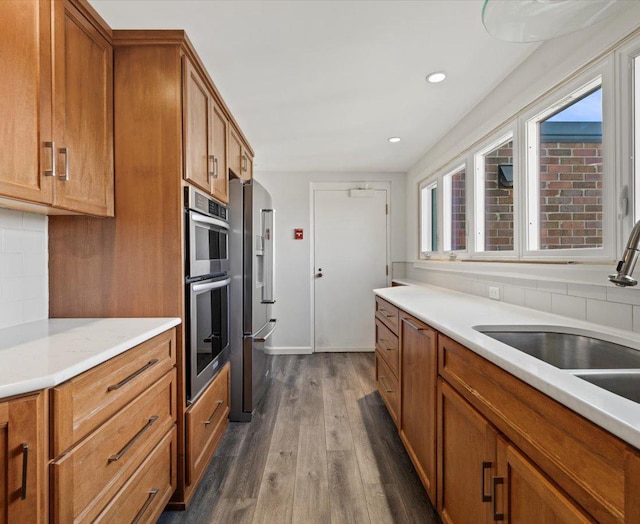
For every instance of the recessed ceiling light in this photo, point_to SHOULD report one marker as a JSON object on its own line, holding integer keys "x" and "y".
{"x": 394, "y": 139}
{"x": 434, "y": 78}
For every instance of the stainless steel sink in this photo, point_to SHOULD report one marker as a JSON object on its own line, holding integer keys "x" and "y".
{"x": 626, "y": 385}
{"x": 565, "y": 350}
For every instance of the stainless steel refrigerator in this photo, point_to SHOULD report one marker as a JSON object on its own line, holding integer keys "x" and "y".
{"x": 252, "y": 260}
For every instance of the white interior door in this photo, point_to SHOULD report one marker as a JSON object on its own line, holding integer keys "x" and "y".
{"x": 350, "y": 258}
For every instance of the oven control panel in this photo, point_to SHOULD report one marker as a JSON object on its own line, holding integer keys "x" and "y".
{"x": 198, "y": 201}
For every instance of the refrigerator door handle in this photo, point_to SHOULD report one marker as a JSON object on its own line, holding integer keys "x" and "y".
{"x": 268, "y": 229}
{"x": 264, "y": 339}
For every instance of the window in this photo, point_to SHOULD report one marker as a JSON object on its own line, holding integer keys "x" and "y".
{"x": 565, "y": 172}
{"x": 429, "y": 218}
{"x": 455, "y": 211}
{"x": 636, "y": 127}
{"x": 495, "y": 229}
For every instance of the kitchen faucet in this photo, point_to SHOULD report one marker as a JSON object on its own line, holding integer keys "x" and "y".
{"x": 625, "y": 267}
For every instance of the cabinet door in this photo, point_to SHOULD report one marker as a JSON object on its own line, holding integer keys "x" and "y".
{"x": 83, "y": 123}
{"x": 198, "y": 143}
{"x": 235, "y": 153}
{"x": 220, "y": 171}
{"x": 25, "y": 100}
{"x": 466, "y": 460}
{"x": 418, "y": 374}
{"x": 522, "y": 494}
{"x": 22, "y": 487}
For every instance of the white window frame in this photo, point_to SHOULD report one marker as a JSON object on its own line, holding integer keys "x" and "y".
{"x": 600, "y": 74}
{"x": 504, "y": 135}
{"x": 426, "y": 237}
{"x": 627, "y": 113}
{"x": 447, "y": 207}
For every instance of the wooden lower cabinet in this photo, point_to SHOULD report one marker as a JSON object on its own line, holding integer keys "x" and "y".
{"x": 22, "y": 459}
{"x": 522, "y": 494}
{"x": 106, "y": 471}
{"x": 419, "y": 371}
{"x": 206, "y": 421}
{"x": 466, "y": 460}
{"x": 488, "y": 447}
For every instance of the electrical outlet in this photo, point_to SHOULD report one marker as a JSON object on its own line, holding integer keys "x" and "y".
{"x": 494, "y": 293}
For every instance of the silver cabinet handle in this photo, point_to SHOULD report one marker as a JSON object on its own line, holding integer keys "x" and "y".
{"x": 496, "y": 481}
{"x": 133, "y": 375}
{"x": 211, "y": 167}
{"x": 65, "y": 151}
{"x": 244, "y": 162}
{"x": 52, "y": 171}
{"x": 486, "y": 497}
{"x": 215, "y": 167}
{"x": 386, "y": 313}
{"x": 152, "y": 495}
{"x": 25, "y": 469}
{"x": 413, "y": 326}
{"x": 129, "y": 445}
{"x": 219, "y": 403}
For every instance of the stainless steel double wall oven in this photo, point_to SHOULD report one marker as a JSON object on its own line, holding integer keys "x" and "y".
{"x": 207, "y": 283}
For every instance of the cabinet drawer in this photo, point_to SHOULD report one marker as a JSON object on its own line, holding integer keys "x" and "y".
{"x": 88, "y": 476}
{"x": 81, "y": 404}
{"x": 206, "y": 421}
{"x": 388, "y": 313}
{"x": 147, "y": 492}
{"x": 387, "y": 385}
{"x": 387, "y": 346}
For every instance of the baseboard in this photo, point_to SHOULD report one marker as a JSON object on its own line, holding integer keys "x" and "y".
{"x": 289, "y": 350}
{"x": 346, "y": 350}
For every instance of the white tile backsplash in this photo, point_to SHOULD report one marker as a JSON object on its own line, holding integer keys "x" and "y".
{"x": 601, "y": 304}
{"x": 24, "y": 294}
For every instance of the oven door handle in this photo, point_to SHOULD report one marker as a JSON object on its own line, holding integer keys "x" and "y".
{"x": 212, "y": 285}
{"x": 208, "y": 220}
{"x": 264, "y": 339}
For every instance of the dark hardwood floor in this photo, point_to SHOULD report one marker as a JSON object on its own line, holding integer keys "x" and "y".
{"x": 321, "y": 449}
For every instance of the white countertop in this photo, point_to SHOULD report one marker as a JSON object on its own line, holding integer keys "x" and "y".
{"x": 42, "y": 354}
{"x": 454, "y": 314}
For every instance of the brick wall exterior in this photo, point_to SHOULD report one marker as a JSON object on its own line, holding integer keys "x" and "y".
{"x": 498, "y": 202}
{"x": 458, "y": 211}
{"x": 570, "y": 195}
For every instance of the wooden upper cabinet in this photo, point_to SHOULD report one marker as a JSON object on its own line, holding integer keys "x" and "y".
{"x": 197, "y": 128}
{"x": 56, "y": 93}
{"x": 240, "y": 158}
{"x": 25, "y": 100}
{"x": 205, "y": 136}
{"x": 22, "y": 449}
{"x": 220, "y": 170}
{"x": 83, "y": 124}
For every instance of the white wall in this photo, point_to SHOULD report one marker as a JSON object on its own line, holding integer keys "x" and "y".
{"x": 24, "y": 294}
{"x": 291, "y": 200}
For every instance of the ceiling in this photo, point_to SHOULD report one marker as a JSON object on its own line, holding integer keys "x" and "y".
{"x": 321, "y": 85}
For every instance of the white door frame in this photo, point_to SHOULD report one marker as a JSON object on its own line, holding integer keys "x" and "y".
{"x": 340, "y": 186}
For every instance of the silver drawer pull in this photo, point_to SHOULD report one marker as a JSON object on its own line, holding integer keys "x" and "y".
{"x": 133, "y": 375}
{"x": 386, "y": 388}
{"x": 207, "y": 422}
{"x": 386, "y": 313}
{"x": 152, "y": 495}
{"x": 413, "y": 326}
{"x": 123, "y": 451}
